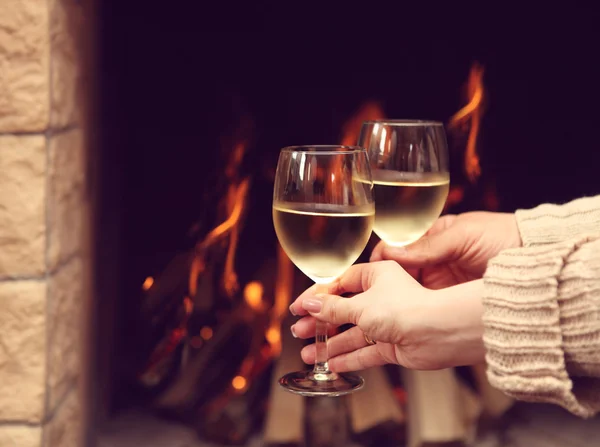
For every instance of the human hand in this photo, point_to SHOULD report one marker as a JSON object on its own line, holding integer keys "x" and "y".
{"x": 456, "y": 249}
{"x": 413, "y": 326}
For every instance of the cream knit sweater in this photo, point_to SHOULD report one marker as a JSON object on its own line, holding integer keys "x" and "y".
{"x": 542, "y": 309}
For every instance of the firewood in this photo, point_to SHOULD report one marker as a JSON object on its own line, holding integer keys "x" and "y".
{"x": 181, "y": 395}
{"x": 472, "y": 406}
{"x": 285, "y": 417}
{"x": 375, "y": 404}
{"x": 435, "y": 407}
{"x": 495, "y": 403}
{"x": 327, "y": 422}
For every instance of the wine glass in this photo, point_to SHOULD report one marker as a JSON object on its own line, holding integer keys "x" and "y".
{"x": 323, "y": 213}
{"x": 411, "y": 179}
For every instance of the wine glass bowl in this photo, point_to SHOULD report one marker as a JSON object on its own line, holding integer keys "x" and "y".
{"x": 323, "y": 213}
{"x": 411, "y": 180}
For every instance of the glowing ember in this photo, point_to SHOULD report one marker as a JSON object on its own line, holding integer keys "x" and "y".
{"x": 471, "y": 115}
{"x": 148, "y": 283}
{"x": 206, "y": 333}
{"x": 239, "y": 383}
{"x": 253, "y": 294}
{"x": 273, "y": 336}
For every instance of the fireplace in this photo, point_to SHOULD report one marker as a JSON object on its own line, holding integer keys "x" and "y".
{"x": 192, "y": 124}
{"x": 141, "y": 282}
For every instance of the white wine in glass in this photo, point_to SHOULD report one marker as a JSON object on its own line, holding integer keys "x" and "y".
{"x": 323, "y": 213}
{"x": 322, "y": 240}
{"x": 409, "y": 165}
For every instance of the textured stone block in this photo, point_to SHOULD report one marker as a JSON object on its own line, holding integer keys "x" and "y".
{"x": 24, "y": 65}
{"x": 22, "y": 350}
{"x": 64, "y": 329}
{"x": 64, "y": 429}
{"x": 66, "y": 192}
{"x": 20, "y": 436}
{"x": 65, "y": 41}
{"x": 22, "y": 197}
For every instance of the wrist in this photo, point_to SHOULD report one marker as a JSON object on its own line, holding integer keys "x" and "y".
{"x": 460, "y": 313}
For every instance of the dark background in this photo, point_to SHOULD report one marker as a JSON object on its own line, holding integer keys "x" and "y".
{"x": 177, "y": 78}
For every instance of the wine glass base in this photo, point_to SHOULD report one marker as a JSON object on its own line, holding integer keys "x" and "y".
{"x": 305, "y": 383}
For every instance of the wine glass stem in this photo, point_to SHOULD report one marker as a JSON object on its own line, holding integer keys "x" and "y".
{"x": 321, "y": 369}
{"x": 321, "y": 365}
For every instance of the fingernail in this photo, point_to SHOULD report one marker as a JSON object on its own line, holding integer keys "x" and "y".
{"x": 293, "y": 331}
{"x": 312, "y": 305}
{"x": 292, "y": 310}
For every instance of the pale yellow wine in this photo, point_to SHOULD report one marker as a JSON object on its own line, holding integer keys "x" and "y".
{"x": 407, "y": 204}
{"x": 322, "y": 240}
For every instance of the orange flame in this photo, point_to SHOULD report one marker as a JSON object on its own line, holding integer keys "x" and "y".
{"x": 283, "y": 297}
{"x": 239, "y": 383}
{"x": 148, "y": 282}
{"x": 370, "y": 110}
{"x": 236, "y": 201}
{"x": 471, "y": 113}
{"x": 253, "y": 294}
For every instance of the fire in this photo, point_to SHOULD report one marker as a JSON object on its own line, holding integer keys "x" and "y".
{"x": 148, "y": 283}
{"x": 283, "y": 297}
{"x": 273, "y": 336}
{"x": 239, "y": 383}
{"x": 235, "y": 203}
{"x": 370, "y": 110}
{"x": 471, "y": 114}
{"x": 253, "y": 294}
{"x": 206, "y": 333}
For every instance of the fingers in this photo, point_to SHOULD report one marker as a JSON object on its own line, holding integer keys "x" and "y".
{"x": 334, "y": 309}
{"x": 431, "y": 249}
{"x": 296, "y": 307}
{"x": 362, "y": 358}
{"x": 347, "y": 341}
{"x": 349, "y": 351}
{"x": 306, "y": 327}
{"x": 435, "y": 246}
{"x": 357, "y": 278}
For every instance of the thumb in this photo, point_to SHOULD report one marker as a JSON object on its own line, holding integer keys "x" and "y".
{"x": 334, "y": 309}
{"x": 435, "y": 248}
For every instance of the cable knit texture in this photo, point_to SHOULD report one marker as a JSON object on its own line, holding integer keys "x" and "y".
{"x": 548, "y": 224}
{"x": 542, "y": 309}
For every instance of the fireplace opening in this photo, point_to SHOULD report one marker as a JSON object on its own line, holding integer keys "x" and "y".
{"x": 193, "y": 289}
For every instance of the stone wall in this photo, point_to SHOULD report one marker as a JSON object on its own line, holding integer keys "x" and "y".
{"x": 43, "y": 216}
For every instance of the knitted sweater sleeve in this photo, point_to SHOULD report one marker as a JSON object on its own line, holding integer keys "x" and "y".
{"x": 542, "y": 309}
{"x": 549, "y": 224}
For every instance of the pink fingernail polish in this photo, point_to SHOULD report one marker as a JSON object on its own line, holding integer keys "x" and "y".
{"x": 293, "y": 331}
{"x": 292, "y": 310}
{"x": 312, "y": 305}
